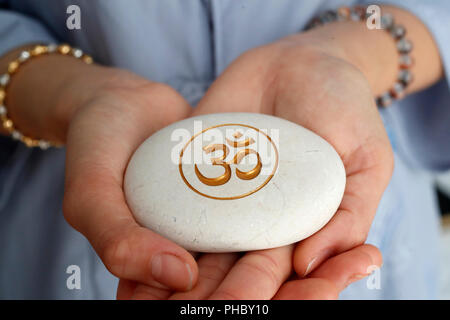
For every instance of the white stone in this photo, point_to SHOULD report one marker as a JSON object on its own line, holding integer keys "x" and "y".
{"x": 167, "y": 196}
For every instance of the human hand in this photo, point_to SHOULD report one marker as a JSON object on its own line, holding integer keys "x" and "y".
{"x": 329, "y": 96}
{"x": 105, "y": 129}
{"x": 325, "y": 80}
{"x": 323, "y": 92}
{"x": 263, "y": 274}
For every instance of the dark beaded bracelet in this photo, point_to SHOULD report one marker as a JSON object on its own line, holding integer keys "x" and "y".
{"x": 398, "y": 32}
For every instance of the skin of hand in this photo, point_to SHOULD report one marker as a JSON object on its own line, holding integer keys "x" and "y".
{"x": 333, "y": 99}
{"x": 324, "y": 80}
{"x": 102, "y": 135}
{"x": 103, "y": 114}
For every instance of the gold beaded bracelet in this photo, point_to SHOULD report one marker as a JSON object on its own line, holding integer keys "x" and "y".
{"x": 13, "y": 68}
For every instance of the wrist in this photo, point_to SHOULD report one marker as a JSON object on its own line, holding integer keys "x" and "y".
{"x": 372, "y": 52}
{"x": 45, "y": 93}
{"x": 83, "y": 86}
{"x": 376, "y": 53}
{"x": 33, "y": 92}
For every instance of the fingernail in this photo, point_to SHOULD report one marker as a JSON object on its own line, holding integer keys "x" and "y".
{"x": 309, "y": 267}
{"x": 170, "y": 270}
{"x": 355, "y": 278}
{"x": 321, "y": 256}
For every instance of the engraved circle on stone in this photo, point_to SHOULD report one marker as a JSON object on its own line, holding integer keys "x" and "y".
{"x": 262, "y": 185}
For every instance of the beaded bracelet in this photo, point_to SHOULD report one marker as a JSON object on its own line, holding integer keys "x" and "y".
{"x": 398, "y": 32}
{"x": 13, "y": 68}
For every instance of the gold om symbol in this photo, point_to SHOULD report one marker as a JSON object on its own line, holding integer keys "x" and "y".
{"x": 219, "y": 161}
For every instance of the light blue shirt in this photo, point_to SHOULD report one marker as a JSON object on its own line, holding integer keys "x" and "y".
{"x": 187, "y": 44}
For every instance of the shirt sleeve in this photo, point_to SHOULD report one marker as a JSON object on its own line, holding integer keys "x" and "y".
{"x": 17, "y": 29}
{"x": 420, "y": 123}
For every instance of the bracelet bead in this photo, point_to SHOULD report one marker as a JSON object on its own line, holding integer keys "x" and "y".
{"x": 405, "y": 77}
{"x": 398, "y": 90}
{"x": 387, "y": 21}
{"x": 24, "y": 56}
{"x": 13, "y": 66}
{"x": 4, "y": 80}
{"x": 404, "y": 45}
{"x": 343, "y": 13}
{"x": 398, "y": 31}
{"x": 384, "y": 100}
{"x": 405, "y": 61}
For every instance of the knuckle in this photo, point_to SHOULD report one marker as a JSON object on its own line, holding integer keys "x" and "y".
{"x": 266, "y": 266}
{"x": 115, "y": 255}
{"x": 212, "y": 272}
{"x": 357, "y": 228}
{"x": 360, "y": 237}
{"x": 358, "y": 234}
{"x": 161, "y": 91}
{"x": 160, "y": 94}
{"x": 328, "y": 290}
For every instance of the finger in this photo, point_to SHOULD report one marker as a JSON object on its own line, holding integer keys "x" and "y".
{"x": 308, "y": 289}
{"x": 145, "y": 292}
{"x": 334, "y": 275}
{"x": 351, "y": 223}
{"x": 125, "y": 289}
{"x": 128, "y": 250}
{"x": 94, "y": 202}
{"x": 349, "y": 266}
{"x": 212, "y": 269}
{"x": 257, "y": 275}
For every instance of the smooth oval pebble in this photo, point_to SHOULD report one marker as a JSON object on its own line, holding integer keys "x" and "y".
{"x": 278, "y": 184}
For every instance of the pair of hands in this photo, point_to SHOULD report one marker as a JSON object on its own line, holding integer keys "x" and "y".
{"x": 301, "y": 82}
